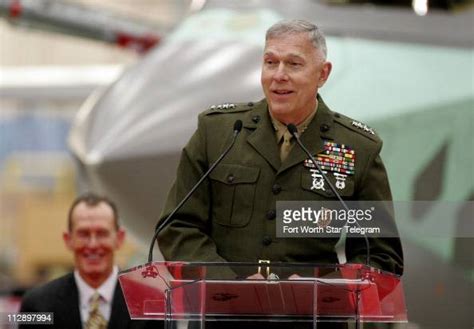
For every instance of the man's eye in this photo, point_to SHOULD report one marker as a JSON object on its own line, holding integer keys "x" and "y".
{"x": 103, "y": 234}
{"x": 82, "y": 234}
{"x": 295, "y": 64}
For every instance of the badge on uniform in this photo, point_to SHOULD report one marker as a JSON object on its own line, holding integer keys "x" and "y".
{"x": 224, "y": 106}
{"x": 363, "y": 126}
{"x": 339, "y": 159}
{"x": 340, "y": 180}
{"x": 318, "y": 180}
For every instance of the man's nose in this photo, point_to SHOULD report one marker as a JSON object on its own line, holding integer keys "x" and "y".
{"x": 280, "y": 73}
{"x": 93, "y": 240}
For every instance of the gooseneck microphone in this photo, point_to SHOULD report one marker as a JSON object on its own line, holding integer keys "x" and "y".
{"x": 294, "y": 132}
{"x": 237, "y": 129}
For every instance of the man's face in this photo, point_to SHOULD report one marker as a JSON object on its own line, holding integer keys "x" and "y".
{"x": 93, "y": 239}
{"x": 293, "y": 70}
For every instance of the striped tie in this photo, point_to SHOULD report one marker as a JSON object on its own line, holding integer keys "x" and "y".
{"x": 96, "y": 319}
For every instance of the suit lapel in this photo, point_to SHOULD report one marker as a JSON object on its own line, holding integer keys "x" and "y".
{"x": 119, "y": 317}
{"x": 320, "y": 128}
{"x": 68, "y": 305}
{"x": 262, "y": 138}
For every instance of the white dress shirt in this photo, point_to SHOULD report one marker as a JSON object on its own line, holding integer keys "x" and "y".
{"x": 106, "y": 291}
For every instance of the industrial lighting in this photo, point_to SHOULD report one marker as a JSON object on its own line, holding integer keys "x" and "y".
{"x": 420, "y": 7}
{"x": 196, "y": 5}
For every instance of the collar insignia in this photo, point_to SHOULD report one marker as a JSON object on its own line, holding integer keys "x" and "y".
{"x": 362, "y": 126}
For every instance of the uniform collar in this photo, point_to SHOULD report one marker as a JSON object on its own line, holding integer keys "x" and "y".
{"x": 321, "y": 128}
{"x": 257, "y": 116}
{"x": 281, "y": 129}
{"x": 262, "y": 136}
{"x": 324, "y": 118}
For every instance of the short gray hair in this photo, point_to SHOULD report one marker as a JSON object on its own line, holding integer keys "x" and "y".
{"x": 299, "y": 26}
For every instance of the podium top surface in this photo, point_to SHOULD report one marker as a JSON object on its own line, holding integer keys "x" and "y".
{"x": 192, "y": 290}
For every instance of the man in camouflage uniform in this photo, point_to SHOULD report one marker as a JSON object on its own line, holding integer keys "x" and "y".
{"x": 231, "y": 217}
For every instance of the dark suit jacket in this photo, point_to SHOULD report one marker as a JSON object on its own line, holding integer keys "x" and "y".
{"x": 61, "y": 297}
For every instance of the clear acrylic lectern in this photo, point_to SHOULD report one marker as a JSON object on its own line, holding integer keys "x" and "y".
{"x": 177, "y": 292}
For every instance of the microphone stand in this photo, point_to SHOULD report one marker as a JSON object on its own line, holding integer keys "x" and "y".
{"x": 294, "y": 132}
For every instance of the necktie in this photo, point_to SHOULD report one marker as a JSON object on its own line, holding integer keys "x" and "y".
{"x": 96, "y": 319}
{"x": 286, "y": 145}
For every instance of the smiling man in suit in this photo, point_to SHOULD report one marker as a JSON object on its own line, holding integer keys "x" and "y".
{"x": 90, "y": 297}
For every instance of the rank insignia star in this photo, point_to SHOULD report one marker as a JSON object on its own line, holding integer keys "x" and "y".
{"x": 224, "y": 106}
{"x": 363, "y": 126}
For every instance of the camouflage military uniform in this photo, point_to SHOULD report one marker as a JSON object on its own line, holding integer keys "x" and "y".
{"x": 231, "y": 217}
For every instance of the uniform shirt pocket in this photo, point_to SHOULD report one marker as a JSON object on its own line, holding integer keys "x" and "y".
{"x": 233, "y": 194}
{"x": 312, "y": 180}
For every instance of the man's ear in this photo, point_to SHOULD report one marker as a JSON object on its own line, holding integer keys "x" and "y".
{"x": 67, "y": 240}
{"x": 120, "y": 237}
{"x": 325, "y": 72}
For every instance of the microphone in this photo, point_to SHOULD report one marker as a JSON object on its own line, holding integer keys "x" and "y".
{"x": 294, "y": 132}
{"x": 236, "y": 130}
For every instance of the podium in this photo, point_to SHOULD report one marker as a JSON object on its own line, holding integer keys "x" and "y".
{"x": 202, "y": 293}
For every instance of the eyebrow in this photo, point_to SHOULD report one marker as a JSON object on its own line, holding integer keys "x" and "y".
{"x": 291, "y": 55}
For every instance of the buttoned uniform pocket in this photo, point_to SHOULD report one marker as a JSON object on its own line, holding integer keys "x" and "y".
{"x": 233, "y": 194}
{"x": 316, "y": 184}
